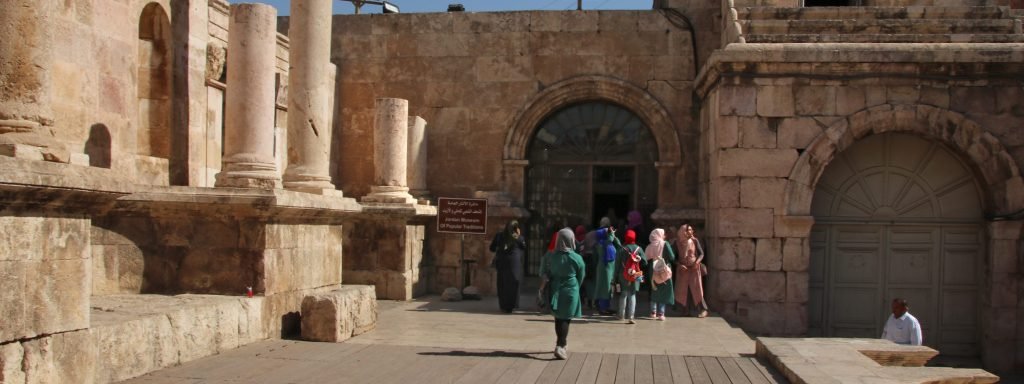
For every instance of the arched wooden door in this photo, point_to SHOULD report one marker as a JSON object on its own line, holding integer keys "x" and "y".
{"x": 897, "y": 216}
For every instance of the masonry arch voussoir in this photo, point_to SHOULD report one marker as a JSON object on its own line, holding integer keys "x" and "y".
{"x": 998, "y": 172}
{"x": 593, "y": 88}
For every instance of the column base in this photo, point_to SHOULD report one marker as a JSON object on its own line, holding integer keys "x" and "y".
{"x": 422, "y": 196}
{"x": 29, "y": 140}
{"x": 329, "y": 192}
{"x": 309, "y": 183}
{"x": 389, "y": 195}
{"x": 248, "y": 175}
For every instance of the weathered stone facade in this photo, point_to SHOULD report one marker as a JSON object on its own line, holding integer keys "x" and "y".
{"x": 120, "y": 230}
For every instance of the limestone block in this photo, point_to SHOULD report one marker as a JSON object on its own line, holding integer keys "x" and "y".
{"x": 751, "y": 286}
{"x": 756, "y": 133}
{"x": 451, "y": 294}
{"x": 762, "y": 192}
{"x": 38, "y": 361}
{"x": 734, "y": 254}
{"x": 796, "y": 287}
{"x": 814, "y": 100}
{"x": 797, "y": 132}
{"x": 849, "y": 100}
{"x": 44, "y": 297}
{"x": 11, "y": 362}
{"x": 727, "y": 132}
{"x": 903, "y": 94}
{"x": 738, "y": 101}
{"x": 935, "y": 96}
{"x": 775, "y": 101}
{"x": 338, "y": 315}
{"x": 726, "y": 192}
{"x": 545, "y": 21}
{"x": 761, "y": 318}
{"x": 745, "y": 222}
{"x": 795, "y": 254}
{"x": 768, "y": 255}
{"x": 580, "y": 21}
{"x": 756, "y": 162}
{"x": 796, "y": 319}
{"x": 793, "y": 226}
{"x": 74, "y": 357}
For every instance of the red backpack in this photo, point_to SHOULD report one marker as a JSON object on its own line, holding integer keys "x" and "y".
{"x": 631, "y": 266}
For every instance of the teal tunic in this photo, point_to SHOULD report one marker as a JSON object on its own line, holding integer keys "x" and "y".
{"x": 620, "y": 260}
{"x": 605, "y": 271}
{"x": 664, "y": 293}
{"x": 565, "y": 273}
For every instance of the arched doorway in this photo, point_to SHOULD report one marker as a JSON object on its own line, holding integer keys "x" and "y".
{"x": 897, "y": 215}
{"x": 586, "y": 160}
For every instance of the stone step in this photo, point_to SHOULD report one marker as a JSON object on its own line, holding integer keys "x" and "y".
{"x": 869, "y": 13}
{"x": 884, "y": 38}
{"x": 884, "y": 26}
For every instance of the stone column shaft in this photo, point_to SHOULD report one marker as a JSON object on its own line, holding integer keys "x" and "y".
{"x": 26, "y": 115}
{"x": 309, "y": 91}
{"x": 390, "y": 153}
{"x": 417, "y": 165}
{"x": 249, "y": 103}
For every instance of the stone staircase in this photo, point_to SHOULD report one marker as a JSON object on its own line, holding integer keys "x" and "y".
{"x": 909, "y": 24}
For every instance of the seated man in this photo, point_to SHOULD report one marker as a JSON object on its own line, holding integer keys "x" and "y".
{"x": 902, "y": 327}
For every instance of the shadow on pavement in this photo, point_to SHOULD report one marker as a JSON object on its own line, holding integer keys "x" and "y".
{"x": 518, "y": 355}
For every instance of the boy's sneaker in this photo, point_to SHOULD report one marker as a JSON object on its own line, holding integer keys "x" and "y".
{"x": 631, "y": 321}
{"x": 560, "y": 353}
{"x": 661, "y": 317}
{"x": 654, "y": 315}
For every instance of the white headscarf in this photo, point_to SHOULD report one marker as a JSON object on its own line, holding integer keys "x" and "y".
{"x": 657, "y": 244}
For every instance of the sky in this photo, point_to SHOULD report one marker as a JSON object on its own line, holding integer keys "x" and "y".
{"x": 407, "y": 6}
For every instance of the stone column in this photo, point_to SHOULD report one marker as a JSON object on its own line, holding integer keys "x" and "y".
{"x": 417, "y": 165}
{"x": 309, "y": 90}
{"x": 249, "y": 104}
{"x": 26, "y": 116}
{"x": 390, "y": 153}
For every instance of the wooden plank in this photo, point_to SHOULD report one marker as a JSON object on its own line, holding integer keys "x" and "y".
{"x": 715, "y": 371}
{"x": 753, "y": 373}
{"x": 680, "y": 370}
{"x": 609, "y": 364}
{"x": 523, "y": 371}
{"x": 488, "y": 371}
{"x": 733, "y": 371}
{"x": 369, "y": 361}
{"x": 588, "y": 374}
{"x": 533, "y": 372}
{"x": 644, "y": 371}
{"x": 512, "y": 373}
{"x": 551, "y": 372}
{"x": 624, "y": 373}
{"x": 661, "y": 370}
{"x": 698, "y": 374}
{"x": 572, "y": 368}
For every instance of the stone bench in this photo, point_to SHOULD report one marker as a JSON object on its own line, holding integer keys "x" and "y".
{"x": 338, "y": 315}
{"x": 836, "y": 360}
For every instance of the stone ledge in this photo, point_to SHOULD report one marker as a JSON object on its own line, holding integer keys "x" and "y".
{"x": 132, "y": 335}
{"x": 277, "y": 203}
{"x": 340, "y": 314}
{"x": 837, "y": 360}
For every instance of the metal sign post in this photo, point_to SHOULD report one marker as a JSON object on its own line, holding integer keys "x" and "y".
{"x": 462, "y": 216}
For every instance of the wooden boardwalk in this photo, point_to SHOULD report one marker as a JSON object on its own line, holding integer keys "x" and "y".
{"x": 280, "y": 361}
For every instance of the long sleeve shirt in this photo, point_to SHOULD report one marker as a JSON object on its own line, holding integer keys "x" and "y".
{"x": 902, "y": 330}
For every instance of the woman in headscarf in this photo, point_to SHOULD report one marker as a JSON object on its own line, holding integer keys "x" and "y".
{"x": 604, "y": 268}
{"x": 545, "y": 288}
{"x": 663, "y": 294}
{"x": 630, "y": 256}
{"x": 564, "y": 271}
{"x": 688, "y": 272}
{"x": 508, "y": 247}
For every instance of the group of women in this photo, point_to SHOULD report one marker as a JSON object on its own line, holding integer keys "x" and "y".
{"x": 618, "y": 267}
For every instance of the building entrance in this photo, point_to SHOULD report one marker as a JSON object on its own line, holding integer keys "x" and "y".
{"x": 587, "y": 161}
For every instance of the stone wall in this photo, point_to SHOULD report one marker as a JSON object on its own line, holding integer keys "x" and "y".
{"x": 388, "y": 254}
{"x": 470, "y": 74}
{"x": 769, "y": 133}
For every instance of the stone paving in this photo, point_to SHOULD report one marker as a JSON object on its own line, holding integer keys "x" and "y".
{"x": 464, "y": 332}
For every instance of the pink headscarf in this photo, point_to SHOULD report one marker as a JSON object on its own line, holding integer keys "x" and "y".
{"x": 657, "y": 245}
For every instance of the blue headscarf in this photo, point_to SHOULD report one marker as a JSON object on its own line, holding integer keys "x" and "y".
{"x": 604, "y": 241}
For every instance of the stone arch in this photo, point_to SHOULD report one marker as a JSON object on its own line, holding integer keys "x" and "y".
{"x": 593, "y": 88}
{"x": 999, "y": 173}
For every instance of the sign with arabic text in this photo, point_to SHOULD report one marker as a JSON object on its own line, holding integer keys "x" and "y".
{"x": 462, "y": 215}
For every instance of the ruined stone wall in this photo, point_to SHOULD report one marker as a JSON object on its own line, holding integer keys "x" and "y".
{"x": 470, "y": 74}
{"x": 387, "y": 254}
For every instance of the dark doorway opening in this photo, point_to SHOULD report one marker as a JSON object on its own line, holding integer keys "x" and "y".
{"x": 614, "y": 206}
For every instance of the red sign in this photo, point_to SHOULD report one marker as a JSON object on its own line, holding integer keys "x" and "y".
{"x": 462, "y": 215}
